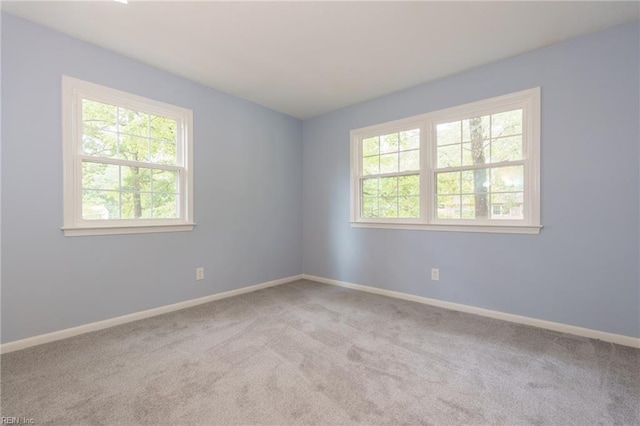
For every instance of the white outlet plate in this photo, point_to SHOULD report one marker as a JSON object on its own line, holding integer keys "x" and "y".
{"x": 435, "y": 274}
{"x": 200, "y": 273}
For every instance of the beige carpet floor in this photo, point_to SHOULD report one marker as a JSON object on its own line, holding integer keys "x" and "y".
{"x": 309, "y": 353}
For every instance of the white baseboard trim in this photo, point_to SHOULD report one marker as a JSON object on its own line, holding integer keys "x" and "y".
{"x": 99, "y": 325}
{"x": 620, "y": 339}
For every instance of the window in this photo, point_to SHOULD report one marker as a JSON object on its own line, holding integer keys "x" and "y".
{"x": 390, "y": 181}
{"x": 468, "y": 168}
{"x": 127, "y": 162}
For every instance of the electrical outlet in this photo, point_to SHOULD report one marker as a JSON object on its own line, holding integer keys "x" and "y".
{"x": 435, "y": 274}
{"x": 200, "y": 273}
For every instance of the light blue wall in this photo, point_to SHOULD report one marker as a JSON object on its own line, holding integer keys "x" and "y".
{"x": 247, "y": 194}
{"x": 583, "y": 267}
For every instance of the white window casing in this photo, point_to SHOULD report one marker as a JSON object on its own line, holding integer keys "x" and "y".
{"x": 523, "y": 218}
{"x": 74, "y": 92}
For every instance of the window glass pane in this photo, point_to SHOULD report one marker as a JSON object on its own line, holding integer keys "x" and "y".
{"x": 369, "y": 207}
{"x": 389, "y": 163}
{"x": 162, "y": 128}
{"x": 100, "y": 205}
{"x": 165, "y": 180}
{"x": 371, "y": 165}
{"x": 409, "y": 185}
{"x": 448, "y": 206}
{"x": 507, "y": 205}
{"x": 410, "y": 139}
{"x": 389, "y": 186}
{"x": 98, "y": 116}
{"x": 135, "y": 179}
{"x": 476, "y": 128}
{"x": 448, "y": 133}
{"x": 370, "y": 187}
{"x": 506, "y": 149}
{"x": 480, "y": 179}
{"x": 506, "y": 123}
{"x": 476, "y": 152}
{"x": 468, "y": 182}
{"x": 448, "y": 183}
{"x": 99, "y": 143}
{"x": 449, "y": 156}
{"x": 409, "y": 207}
{"x": 371, "y": 146}
{"x": 476, "y": 185}
{"x": 163, "y": 152}
{"x": 165, "y": 205}
{"x": 134, "y": 148}
{"x": 388, "y": 207}
{"x": 409, "y": 160}
{"x": 100, "y": 176}
{"x": 507, "y": 179}
{"x": 468, "y": 207}
{"x": 136, "y": 205}
{"x": 133, "y": 122}
{"x": 475, "y": 206}
{"x": 389, "y": 143}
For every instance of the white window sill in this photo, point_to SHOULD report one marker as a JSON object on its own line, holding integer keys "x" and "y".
{"x": 498, "y": 229}
{"x": 114, "y": 230}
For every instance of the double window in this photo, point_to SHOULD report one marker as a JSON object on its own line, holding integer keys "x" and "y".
{"x": 127, "y": 162}
{"x": 470, "y": 168}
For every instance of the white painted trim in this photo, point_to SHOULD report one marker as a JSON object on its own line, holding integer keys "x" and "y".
{"x": 100, "y": 325}
{"x": 136, "y": 229}
{"x": 619, "y": 339}
{"x": 496, "y": 229}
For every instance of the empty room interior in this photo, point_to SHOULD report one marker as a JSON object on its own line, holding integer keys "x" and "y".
{"x": 287, "y": 213}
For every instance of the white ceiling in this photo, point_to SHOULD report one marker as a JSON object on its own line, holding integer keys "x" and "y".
{"x": 308, "y": 58}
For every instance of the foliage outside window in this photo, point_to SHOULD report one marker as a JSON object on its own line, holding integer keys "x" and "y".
{"x": 127, "y": 162}
{"x": 470, "y": 168}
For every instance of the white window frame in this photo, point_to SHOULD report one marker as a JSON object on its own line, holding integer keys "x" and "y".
{"x": 73, "y": 91}
{"x": 528, "y": 100}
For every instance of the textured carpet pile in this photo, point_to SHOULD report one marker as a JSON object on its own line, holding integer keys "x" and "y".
{"x": 309, "y": 353}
